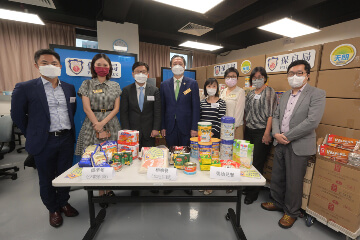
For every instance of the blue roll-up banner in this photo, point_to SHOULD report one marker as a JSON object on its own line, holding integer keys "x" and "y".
{"x": 76, "y": 68}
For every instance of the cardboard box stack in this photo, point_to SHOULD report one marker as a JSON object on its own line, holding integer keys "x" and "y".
{"x": 339, "y": 76}
{"x": 335, "y": 193}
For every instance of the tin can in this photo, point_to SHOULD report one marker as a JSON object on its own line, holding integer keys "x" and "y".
{"x": 194, "y": 152}
{"x": 227, "y": 128}
{"x": 226, "y": 149}
{"x": 205, "y": 151}
{"x": 128, "y": 157}
{"x": 190, "y": 168}
{"x": 181, "y": 159}
{"x": 215, "y": 151}
{"x": 117, "y": 157}
{"x": 204, "y": 131}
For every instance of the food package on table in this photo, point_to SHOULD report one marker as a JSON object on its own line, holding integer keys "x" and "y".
{"x": 117, "y": 166}
{"x": 125, "y": 158}
{"x": 341, "y": 142}
{"x": 92, "y": 149}
{"x": 246, "y": 154}
{"x": 154, "y": 157}
{"x": 230, "y": 163}
{"x": 333, "y": 153}
{"x": 128, "y": 137}
{"x": 134, "y": 149}
{"x": 98, "y": 159}
{"x": 176, "y": 150}
{"x": 109, "y": 147}
{"x": 205, "y": 167}
{"x": 85, "y": 160}
{"x": 180, "y": 160}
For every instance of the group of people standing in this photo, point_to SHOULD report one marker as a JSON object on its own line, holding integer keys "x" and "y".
{"x": 44, "y": 108}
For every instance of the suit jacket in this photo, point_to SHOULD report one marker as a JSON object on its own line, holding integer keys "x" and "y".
{"x": 30, "y": 112}
{"x": 186, "y": 108}
{"x": 130, "y": 115}
{"x": 304, "y": 120}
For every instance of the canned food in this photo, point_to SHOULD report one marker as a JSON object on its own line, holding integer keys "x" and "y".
{"x": 227, "y": 128}
{"x": 190, "y": 168}
{"x": 205, "y": 151}
{"x": 226, "y": 149}
{"x": 204, "y": 131}
{"x": 194, "y": 153}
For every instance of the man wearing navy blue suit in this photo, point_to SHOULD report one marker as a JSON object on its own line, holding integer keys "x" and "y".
{"x": 180, "y": 105}
{"x": 44, "y": 109}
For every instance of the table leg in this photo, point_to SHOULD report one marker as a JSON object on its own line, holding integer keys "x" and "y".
{"x": 235, "y": 218}
{"x": 94, "y": 222}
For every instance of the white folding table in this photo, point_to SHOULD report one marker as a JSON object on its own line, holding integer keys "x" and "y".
{"x": 129, "y": 179}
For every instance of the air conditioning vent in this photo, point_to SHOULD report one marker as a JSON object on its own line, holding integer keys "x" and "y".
{"x": 195, "y": 29}
{"x": 40, "y": 3}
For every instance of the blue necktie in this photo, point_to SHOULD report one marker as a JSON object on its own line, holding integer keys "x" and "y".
{"x": 141, "y": 99}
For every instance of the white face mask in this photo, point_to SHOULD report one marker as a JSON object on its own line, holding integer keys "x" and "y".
{"x": 141, "y": 78}
{"x": 258, "y": 83}
{"x": 295, "y": 81}
{"x": 177, "y": 70}
{"x": 211, "y": 91}
{"x": 50, "y": 71}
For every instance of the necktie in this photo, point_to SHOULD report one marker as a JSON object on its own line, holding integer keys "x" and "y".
{"x": 177, "y": 89}
{"x": 141, "y": 99}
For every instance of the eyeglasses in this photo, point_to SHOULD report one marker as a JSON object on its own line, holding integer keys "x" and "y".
{"x": 259, "y": 78}
{"x": 231, "y": 76}
{"x": 291, "y": 74}
{"x": 143, "y": 72}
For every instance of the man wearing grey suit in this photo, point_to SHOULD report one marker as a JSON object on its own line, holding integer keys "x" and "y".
{"x": 140, "y": 106}
{"x": 294, "y": 122}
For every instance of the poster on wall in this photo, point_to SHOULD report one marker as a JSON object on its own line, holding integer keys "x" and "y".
{"x": 75, "y": 69}
{"x": 245, "y": 67}
{"x": 81, "y": 67}
{"x": 342, "y": 55}
{"x": 280, "y": 63}
{"x": 219, "y": 70}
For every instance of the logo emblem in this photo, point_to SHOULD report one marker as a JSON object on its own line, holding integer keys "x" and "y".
{"x": 272, "y": 63}
{"x": 76, "y": 65}
{"x": 342, "y": 55}
{"x": 245, "y": 66}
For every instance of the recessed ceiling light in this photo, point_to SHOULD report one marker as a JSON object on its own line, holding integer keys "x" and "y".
{"x": 20, "y": 16}
{"x": 202, "y": 46}
{"x": 196, "y": 6}
{"x": 289, "y": 28}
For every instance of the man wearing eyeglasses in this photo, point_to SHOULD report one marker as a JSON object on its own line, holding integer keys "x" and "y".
{"x": 294, "y": 122}
{"x": 140, "y": 106}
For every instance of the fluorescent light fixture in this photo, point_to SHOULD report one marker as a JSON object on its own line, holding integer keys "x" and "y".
{"x": 197, "y": 45}
{"x": 289, "y": 28}
{"x": 196, "y": 6}
{"x": 20, "y": 16}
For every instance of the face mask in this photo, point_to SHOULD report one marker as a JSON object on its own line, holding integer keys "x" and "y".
{"x": 50, "y": 71}
{"x": 258, "y": 83}
{"x": 102, "y": 71}
{"x": 230, "y": 82}
{"x": 140, "y": 78}
{"x": 295, "y": 81}
{"x": 211, "y": 91}
{"x": 177, "y": 70}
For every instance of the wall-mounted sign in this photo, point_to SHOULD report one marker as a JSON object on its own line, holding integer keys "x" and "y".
{"x": 245, "y": 67}
{"x": 219, "y": 70}
{"x": 120, "y": 45}
{"x": 343, "y": 54}
{"x": 81, "y": 67}
{"x": 280, "y": 63}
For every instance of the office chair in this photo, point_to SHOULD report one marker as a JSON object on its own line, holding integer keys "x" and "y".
{"x": 6, "y": 137}
{"x": 18, "y": 133}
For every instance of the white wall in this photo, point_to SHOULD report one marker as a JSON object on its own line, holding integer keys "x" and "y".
{"x": 108, "y": 32}
{"x": 332, "y": 33}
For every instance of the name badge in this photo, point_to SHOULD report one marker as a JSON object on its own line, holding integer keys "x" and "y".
{"x": 72, "y": 99}
{"x": 232, "y": 96}
{"x": 257, "y": 96}
{"x": 98, "y": 91}
{"x": 214, "y": 105}
{"x": 151, "y": 98}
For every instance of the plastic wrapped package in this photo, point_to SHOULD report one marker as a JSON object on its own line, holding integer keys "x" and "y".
{"x": 128, "y": 137}
{"x": 98, "y": 159}
{"x": 154, "y": 157}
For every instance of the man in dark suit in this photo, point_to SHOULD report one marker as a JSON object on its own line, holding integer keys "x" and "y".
{"x": 140, "y": 107}
{"x": 44, "y": 109}
{"x": 294, "y": 122}
{"x": 180, "y": 105}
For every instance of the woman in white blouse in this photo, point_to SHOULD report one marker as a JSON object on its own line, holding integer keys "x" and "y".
{"x": 234, "y": 97}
